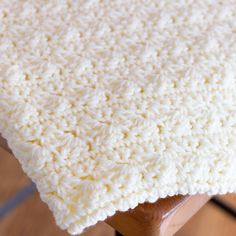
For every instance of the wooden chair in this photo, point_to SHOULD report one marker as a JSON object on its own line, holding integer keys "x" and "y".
{"x": 162, "y": 218}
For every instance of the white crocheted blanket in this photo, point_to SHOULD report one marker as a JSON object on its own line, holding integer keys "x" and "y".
{"x": 107, "y": 104}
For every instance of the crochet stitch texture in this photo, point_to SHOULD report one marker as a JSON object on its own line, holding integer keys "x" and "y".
{"x": 107, "y": 104}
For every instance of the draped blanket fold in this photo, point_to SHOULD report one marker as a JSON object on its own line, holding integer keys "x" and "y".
{"x": 108, "y": 104}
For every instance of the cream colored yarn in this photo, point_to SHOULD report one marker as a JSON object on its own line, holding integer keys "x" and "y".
{"x": 107, "y": 104}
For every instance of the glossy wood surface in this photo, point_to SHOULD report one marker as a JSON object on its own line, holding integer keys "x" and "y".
{"x": 164, "y": 217}
{"x": 211, "y": 221}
